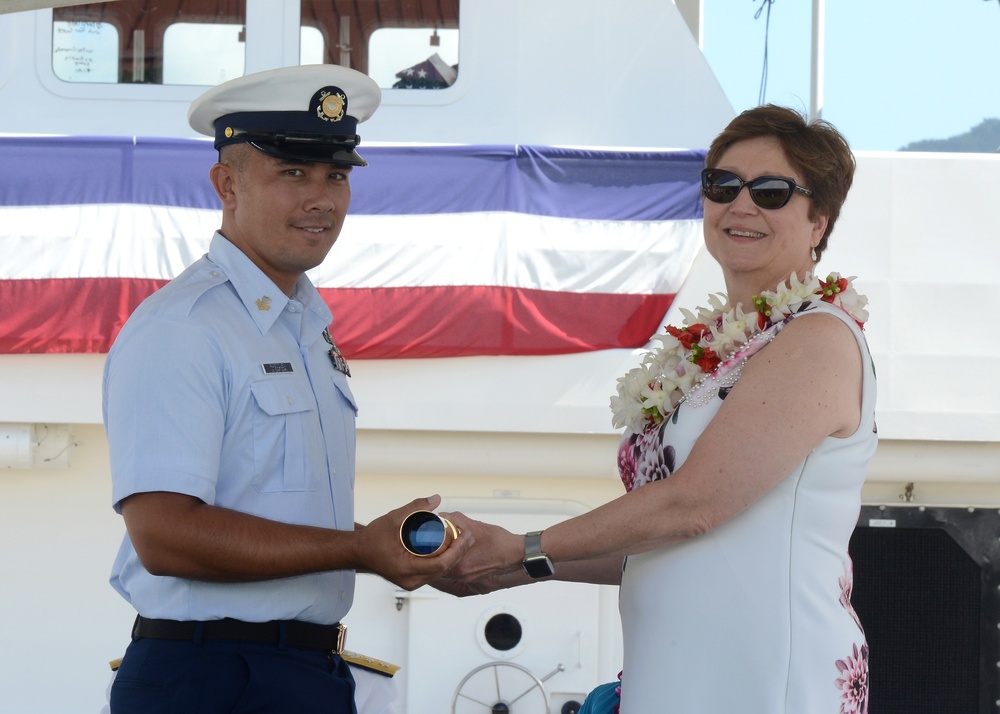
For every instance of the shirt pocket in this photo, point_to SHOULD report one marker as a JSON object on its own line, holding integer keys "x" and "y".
{"x": 345, "y": 444}
{"x": 285, "y": 434}
{"x": 340, "y": 382}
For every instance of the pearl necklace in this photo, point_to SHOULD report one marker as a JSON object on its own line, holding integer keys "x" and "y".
{"x": 708, "y": 353}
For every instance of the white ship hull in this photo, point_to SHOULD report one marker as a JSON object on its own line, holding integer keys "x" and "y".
{"x": 532, "y": 443}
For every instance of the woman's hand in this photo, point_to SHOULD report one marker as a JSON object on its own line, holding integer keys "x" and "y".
{"x": 495, "y": 550}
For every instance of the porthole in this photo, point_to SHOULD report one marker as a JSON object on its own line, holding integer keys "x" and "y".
{"x": 501, "y": 633}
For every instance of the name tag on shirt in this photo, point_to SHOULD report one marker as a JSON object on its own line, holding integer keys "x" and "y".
{"x": 277, "y": 367}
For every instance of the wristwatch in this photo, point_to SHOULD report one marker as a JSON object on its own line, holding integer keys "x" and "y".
{"x": 536, "y": 563}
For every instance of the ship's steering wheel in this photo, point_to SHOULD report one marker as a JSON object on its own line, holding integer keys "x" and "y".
{"x": 496, "y": 687}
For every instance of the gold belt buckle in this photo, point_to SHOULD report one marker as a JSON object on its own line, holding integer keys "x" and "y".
{"x": 341, "y": 639}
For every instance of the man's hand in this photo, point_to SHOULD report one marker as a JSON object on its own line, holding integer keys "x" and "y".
{"x": 181, "y": 536}
{"x": 380, "y": 550}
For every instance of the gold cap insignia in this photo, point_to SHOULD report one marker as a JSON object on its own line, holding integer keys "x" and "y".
{"x": 331, "y": 105}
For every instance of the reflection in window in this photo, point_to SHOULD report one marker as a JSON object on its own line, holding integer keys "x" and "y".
{"x": 398, "y": 43}
{"x": 149, "y": 41}
{"x": 85, "y": 51}
{"x": 202, "y": 53}
{"x": 310, "y": 45}
{"x": 397, "y": 57}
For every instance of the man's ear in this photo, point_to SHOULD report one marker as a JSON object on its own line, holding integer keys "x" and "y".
{"x": 223, "y": 178}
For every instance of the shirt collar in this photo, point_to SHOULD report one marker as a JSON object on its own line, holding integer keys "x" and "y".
{"x": 263, "y": 300}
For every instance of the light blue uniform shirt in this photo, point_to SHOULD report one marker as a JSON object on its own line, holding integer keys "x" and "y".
{"x": 221, "y": 387}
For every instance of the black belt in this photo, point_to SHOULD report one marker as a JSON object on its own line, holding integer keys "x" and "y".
{"x": 290, "y": 633}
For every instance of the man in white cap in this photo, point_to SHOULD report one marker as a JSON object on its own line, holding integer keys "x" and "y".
{"x": 231, "y": 427}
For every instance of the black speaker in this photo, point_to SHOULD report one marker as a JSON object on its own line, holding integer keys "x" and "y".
{"x": 927, "y": 592}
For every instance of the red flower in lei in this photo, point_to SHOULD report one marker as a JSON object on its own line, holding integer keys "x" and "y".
{"x": 705, "y": 358}
{"x": 763, "y": 311}
{"x": 650, "y": 393}
{"x": 830, "y": 290}
{"x": 690, "y": 338}
{"x": 689, "y": 335}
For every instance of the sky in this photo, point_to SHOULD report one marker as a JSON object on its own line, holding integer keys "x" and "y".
{"x": 897, "y": 71}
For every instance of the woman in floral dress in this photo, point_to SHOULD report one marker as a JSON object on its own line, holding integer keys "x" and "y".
{"x": 748, "y": 434}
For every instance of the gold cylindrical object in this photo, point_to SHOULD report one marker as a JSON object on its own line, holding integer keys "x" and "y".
{"x": 425, "y": 534}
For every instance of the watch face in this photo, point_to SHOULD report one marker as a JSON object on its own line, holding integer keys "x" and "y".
{"x": 538, "y": 566}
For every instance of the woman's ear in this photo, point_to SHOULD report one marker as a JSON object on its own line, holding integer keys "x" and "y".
{"x": 819, "y": 224}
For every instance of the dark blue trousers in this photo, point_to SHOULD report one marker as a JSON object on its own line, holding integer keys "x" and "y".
{"x": 189, "y": 677}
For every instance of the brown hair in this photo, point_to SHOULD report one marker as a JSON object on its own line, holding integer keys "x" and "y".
{"x": 817, "y": 151}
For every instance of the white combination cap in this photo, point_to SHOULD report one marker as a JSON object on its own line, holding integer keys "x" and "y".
{"x": 306, "y": 113}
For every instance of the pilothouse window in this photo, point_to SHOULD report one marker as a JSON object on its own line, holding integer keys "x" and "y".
{"x": 400, "y": 44}
{"x": 85, "y": 51}
{"x": 203, "y": 53}
{"x": 394, "y": 58}
{"x": 197, "y": 42}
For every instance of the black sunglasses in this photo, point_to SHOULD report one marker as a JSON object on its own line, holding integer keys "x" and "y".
{"x": 769, "y": 192}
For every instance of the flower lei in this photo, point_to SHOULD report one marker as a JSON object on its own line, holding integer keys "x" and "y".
{"x": 717, "y": 338}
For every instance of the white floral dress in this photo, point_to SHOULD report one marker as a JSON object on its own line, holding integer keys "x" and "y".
{"x": 754, "y": 616}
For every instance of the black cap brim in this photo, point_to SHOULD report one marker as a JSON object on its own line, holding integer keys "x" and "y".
{"x": 311, "y": 152}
